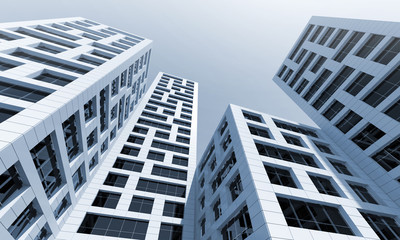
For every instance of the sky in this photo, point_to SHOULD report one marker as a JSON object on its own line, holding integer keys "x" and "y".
{"x": 231, "y": 48}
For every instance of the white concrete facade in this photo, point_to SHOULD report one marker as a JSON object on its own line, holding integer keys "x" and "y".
{"x": 367, "y": 95}
{"x": 52, "y": 77}
{"x": 259, "y": 192}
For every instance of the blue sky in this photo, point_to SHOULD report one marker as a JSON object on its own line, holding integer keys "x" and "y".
{"x": 232, "y": 48}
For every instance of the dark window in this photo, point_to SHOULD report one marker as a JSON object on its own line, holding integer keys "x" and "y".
{"x": 317, "y": 84}
{"x": 338, "y": 38}
{"x": 202, "y": 200}
{"x": 370, "y": 45}
{"x": 394, "y": 111}
{"x": 49, "y": 48}
{"x": 328, "y": 32}
{"x": 6, "y": 114}
{"x": 160, "y": 134}
{"x": 294, "y": 128}
{"x": 72, "y": 143}
{"x": 154, "y": 124}
{"x": 129, "y": 165}
{"x": 104, "y": 146}
{"x": 10, "y": 182}
{"x": 173, "y": 209}
{"x": 151, "y": 108}
{"x": 135, "y": 139}
{"x": 182, "y": 123}
{"x": 8, "y": 65}
{"x": 283, "y": 69}
{"x": 161, "y": 104}
{"x": 223, "y": 127}
{"x": 287, "y": 75}
{"x": 178, "y": 160}
{"x": 226, "y": 142}
{"x": 303, "y": 68}
{"x": 217, "y": 209}
{"x": 203, "y": 226}
{"x": 44, "y": 233}
{"x": 324, "y": 186}
{"x": 348, "y": 46}
{"x": 333, "y": 110}
{"x": 79, "y": 177}
{"x": 321, "y": 60}
{"x": 323, "y": 148}
{"x": 62, "y": 207}
{"x": 23, "y": 221}
{"x": 293, "y": 140}
{"x": 286, "y": 155}
{"x": 340, "y": 167}
{"x": 368, "y": 136}
{"x": 157, "y": 156}
{"x": 280, "y": 176}
{"x": 116, "y": 180}
{"x": 170, "y": 232}
{"x": 161, "y": 188}
{"x": 47, "y": 166}
{"x": 359, "y": 83}
{"x": 113, "y": 226}
{"x": 169, "y": 172}
{"x": 389, "y": 156}
{"x": 106, "y": 199}
{"x": 187, "y": 117}
{"x": 182, "y": 139}
{"x": 391, "y": 51}
{"x": 259, "y": 132}
{"x": 236, "y": 187}
{"x": 47, "y": 38}
{"x": 104, "y": 109}
{"x": 348, "y": 122}
{"x": 332, "y": 87}
{"x": 316, "y": 33}
{"x": 252, "y": 117}
{"x": 170, "y": 147}
{"x": 140, "y": 130}
{"x": 223, "y": 172}
{"x": 19, "y": 92}
{"x": 301, "y": 41}
{"x": 90, "y": 109}
{"x": 183, "y": 131}
{"x": 93, "y": 161}
{"x": 48, "y": 77}
{"x": 114, "y": 86}
{"x": 313, "y": 216}
{"x": 91, "y": 140}
{"x": 302, "y": 85}
{"x": 301, "y": 56}
{"x": 165, "y": 111}
{"x": 90, "y": 60}
{"x": 385, "y": 227}
{"x": 141, "y": 204}
{"x": 239, "y": 227}
{"x": 8, "y": 37}
{"x": 363, "y": 193}
{"x": 102, "y": 54}
{"x": 130, "y": 151}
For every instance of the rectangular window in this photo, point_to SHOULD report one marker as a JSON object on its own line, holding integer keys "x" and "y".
{"x": 6, "y": 114}
{"x": 54, "y": 78}
{"x": 294, "y": 140}
{"x": 217, "y": 209}
{"x": 141, "y": 130}
{"x": 171, "y": 113}
{"x": 161, "y": 104}
{"x": 113, "y": 226}
{"x": 121, "y": 112}
{"x": 259, "y": 132}
{"x": 173, "y": 209}
{"x": 79, "y": 177}
{"x": 19, "y": 92}
{"x": 91, "y": 140}
{"x": 170, "y": 232}
{"x": 317, "y": 84}
{"x": 348, "y": 122}
{"x": 163, "y": 135}
{"x": 323, "y": 148}
{"x": 302, "y": 85}
{"x": 6, "y": 64}
{"x": 47, "y": 166}
{"x": 72, "y": 141}
{"x": 203, "y": 226}
{"x": 182, "y": 139}
{"x": 359, "y": 83}
{"x": 90, "y": 60}
{"x": 24, "y": 221}
{"x": 324, "y": 185}
{"x": 154, "y": 124}
{"x": 338, "y": 38}
{"x": 348, "y": 46}
{"x": 223, "y": 172}
{"x": 316, "y": 33}
{"x": 133, "y": 151}
{"x": 178, "y": 160}
{"x": 114, "y": 112}
{"x": 10, "y": 182}
{"x": 116, "y": 180}
{"x": 93, "y": 161}
{"x": 239, "y": 227}
{"x": 182, "y": 123}
{"x": 49, "y": 48}
{"x": 183, "y": 131}
{"x": 370, "y": 45}
{"x": 328, "y": 32}
{"x": 368, "y": 136}
{"x": 226, "y": 142}
{"x": 104, "y": 109}
{"x": 394, "y": 111}
{"x": 104, "y": 146}
{"x": 157, "y": 156}
{"x": 89, "y": 109}
{"x": 294, "y": 128}
{"x": 384, "y": 89}
{"x": 62, "y": 207}
{"x": 170, "y": 147}
{"x": 280, "y": 176}
{"x": 363, "y": 193}
{"x": 236, "y": 187}
{"x": 301, "y": 41}
{"x": 252, "y": 117}
{"x": 106, "y": 199}
{"x": 321, "y": 60}
{"x": 135, "y": 139}
{"x": 301, "y": 56}
{"x": 151, "y": 108}
{"x": 313, "y": 216}
{"x": 303, "y": 68}
{"x": 130, "y": 165}
{"x": 44, "y": 233}
{"x": 390, "y": 51}
{"x": 332, "y": 87}
{"x": 385, "y": 227}
{"x": 169, "y": 172}
{"x": 47, "y": 38}
{"x": 102, "y": 54}
{"x": 141, "y": 204}
{"x": 288, "y": 75}
{"x": 389, "y": 156}
{"x": 333, "y": 110}
{"x": 161, "y": 188}
{"x": 286, "y": 155}
{"x": 340, "y": 167}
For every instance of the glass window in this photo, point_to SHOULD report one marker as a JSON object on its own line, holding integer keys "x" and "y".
{"x": 10, "y": 183}
{"x": 394, "y": 111}
{"x": 303, "y": 68}
{"x": 294, "y": 140}
{"x": 239, "y": 227}
{"x": 141, "y": 204}
{"x": 252, "y": 117}
{"x": 359, "y": 83}
{"x": 223, "y": 172}
{"x": 217, "y": 209}
{"x": 348, "y": 122}
{"x": 323, "y": 148}
{"x": 169, "y": 172}
{"x": 72, "y": 141}
{"x": 340, "y": 167}
{"x": 389, "y": 156}
{"x": 333, "y": 110}
{"x": 173, "y": 209}
{"x": 178, "y": 160}
{"x": 170, "y": 232}
{"x": 24, "y": 220}
{"x": 370, "y": 45}
{"x": 130, "y": 165}
{"x": 106, "y": 199}
{"x": 19, "y": 92}
{"x": 324, "y": 186}
{"x": 316, "y": 33}
{"x": 363, "y": 193}
{"x": 92, "y": 139}
{"x": 280, "y": 176}
{"x": 317, "y": 84}
{"x": 141, "y": 130}
{"x": 321, "y": 60}
{"x": 385, "y": 227}
{"x": 338, "y": 38}
{"x": 135, "y": 139}
{"x": 116, "y": 180}
{"x": 133, "y": 151}
{"x": 328, "y": 32}
{"x": 236, "y": 187}
{"x": 368, "y": 136}
{"x": 79, "y": 177}
{"x": 390, "y": 51}
{"x": 161, "y": 188}
{"x": 62, "y": 206}
{"x": 90, "y": 109}
{"x": 170, "y": 147}
{"x": 49, "y": 77}
{"x": 154, "y": 124}
{"x": 303, "y": 84}
{"x": 348, "y": 46}
{"x": 158, "y": 156}
{"x": 104, "y": 109}
{"x": 301, "y": 41}
{"x": 259, "y": 131}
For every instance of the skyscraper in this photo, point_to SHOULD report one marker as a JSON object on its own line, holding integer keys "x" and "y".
{"x": 263, "y": 177}
{"x": 344, "y": 73}
{"x": 67, "y": 89}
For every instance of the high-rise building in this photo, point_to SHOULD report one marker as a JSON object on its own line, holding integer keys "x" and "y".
{"x": 263, "y": 177}
{"x": 345, "y": 74}
{"x": 68, "y": 87}
{"x": 143, "y": 190}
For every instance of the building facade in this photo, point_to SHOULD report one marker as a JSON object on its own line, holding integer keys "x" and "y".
{"x": 263, "y": 177}
{"x": 344, "y": 73}
{"x": 68, "y": 88}
{"x": 142, "y": 189}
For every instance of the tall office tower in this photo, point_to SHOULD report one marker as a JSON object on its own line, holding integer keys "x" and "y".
{"x": 67, "y": 88}
{"x": 142, "y": 190}
{"x": 345, "y": 74}
{"x": 263, "y": 177}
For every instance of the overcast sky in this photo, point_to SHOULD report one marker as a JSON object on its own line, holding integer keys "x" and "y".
{"x": 232, "y": 48}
